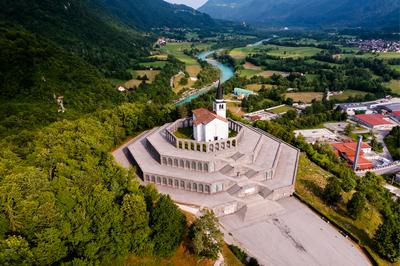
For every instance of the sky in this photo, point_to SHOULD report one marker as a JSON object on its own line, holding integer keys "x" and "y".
{"x": 192, "y": 3}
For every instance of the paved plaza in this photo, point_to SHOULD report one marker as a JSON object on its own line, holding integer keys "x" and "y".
{"x": 293, "y": 236}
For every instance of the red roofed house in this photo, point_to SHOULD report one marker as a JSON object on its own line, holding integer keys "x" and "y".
{"x": 375, "y": 121}
{"x": 211, "y": 126}
{"x": 348, "y": 152}
{"x": 396, "y": 115}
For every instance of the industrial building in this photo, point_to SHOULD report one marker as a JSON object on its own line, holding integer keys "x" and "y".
{"x": 375, "y": 121}
{"x": 347, "y": 151}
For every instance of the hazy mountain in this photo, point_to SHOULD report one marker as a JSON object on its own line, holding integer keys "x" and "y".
{"x": 354, "y": 13}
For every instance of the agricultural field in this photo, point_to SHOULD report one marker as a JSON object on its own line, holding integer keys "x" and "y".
{"x": 305, "y": 97}
{"x": 292, "y": 52}
{"x": 249, "y": 73}
{"x": 159, "y": 57}
{"x": 311, "y": 180}
{"x": 133, "y": 83}
{"x": 257, "y": 87}
{"x": 193, "y": 70}
{"x": 249, "y": 65}
{"x": 274, "y": 50}
{"x": 348, "y": 93}
{"x": 388, "y": 55}
{"x": 394, "y": 85}
{"x": 280, "y": 109}
{"x": 155, "y": 64}
{"x": 176, "y": 49}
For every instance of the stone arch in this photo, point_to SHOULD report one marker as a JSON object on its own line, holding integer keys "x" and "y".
{"x": 170, "y": 182}
{"x": 194, "y": 165}
{"x": 188, "y": 186}
{"x": 234, "y": 143}
{"x": 207, "y": 188}
{"x": 164, "y": 161}
{"x": 182, "y": 163}
{"x": 194, "y": 186}
{"x": 176, "y": 162}
{"x": 176, "y": 183}
{"x": 201, "y": 189}
{"x": 228, "y": 144}
{"x": 164, "y": 181}
{"x": 198, "y": 147}
{"x": 169, "y": 161}
{"x": 200, "y": 166}
{"x": 182, "y": 184}
{"x": 206, "y": 167}
{"x": 217, "y": 146}
{"x": 187, "y": 164}
{"x": 211, "y": 147}
{"x": 180, "y": 144}
{"x": 158, "y": 180}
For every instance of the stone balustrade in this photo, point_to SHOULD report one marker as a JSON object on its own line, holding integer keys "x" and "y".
{"x": 202, "y": 146}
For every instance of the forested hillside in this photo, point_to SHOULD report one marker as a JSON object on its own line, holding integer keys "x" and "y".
{"x": 309, "y": 13}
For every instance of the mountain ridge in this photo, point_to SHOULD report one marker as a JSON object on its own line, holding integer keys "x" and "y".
{"x": 308, "y": 13}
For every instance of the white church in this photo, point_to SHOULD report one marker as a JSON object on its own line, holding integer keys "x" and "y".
{"x": 211, "y": 126}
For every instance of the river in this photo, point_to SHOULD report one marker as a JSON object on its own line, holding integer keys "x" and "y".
{"x": 226, "y": 71}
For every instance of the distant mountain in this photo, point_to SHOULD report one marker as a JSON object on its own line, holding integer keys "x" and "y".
{"x": 341, "y": 13}
{"x": 147, "y": 14}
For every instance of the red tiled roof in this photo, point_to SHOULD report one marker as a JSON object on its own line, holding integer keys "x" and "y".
{"x": 374, "y": 119}
{"x": 349, "y": 148}
{"x": 397, "y": 114}
{"x": 204, "y": 116}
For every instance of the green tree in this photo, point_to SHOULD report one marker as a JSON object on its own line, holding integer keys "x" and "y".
{"x": 207, "y": 239}
{"x": 349, "y": 129}
{"x": 333, "y": 192}
{"x": 387, "y": 239}
{"x": 356, "y": 205}
{"x": 168, "y": 225}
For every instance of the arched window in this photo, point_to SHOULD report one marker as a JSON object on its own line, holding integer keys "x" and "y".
{"x": 194, "y": 165}
{"x": 182, "y": 164}
{"x": 147, "y": 178}
{"x": 164, "y": 161}
{"x": 206, "y": 167}
{"x": 170, "y": 182}
{"x": 176, "y": 183}
{"x": 188, "y": 185}
{"x": 164, "y": 181}
{"x": 194, "y": 186}
{"x": 201, "y": 188}
{"x": 153, "y": 179}
{"x": 187, "y": 164}
{"x": 200, "y": 166}
{"x": 176, "y": 162}
{"x": 207, "y": 188}
{"x": 169, "y": 161}
{"x": 158, "y": 180}
{"x": 183, "y": 184}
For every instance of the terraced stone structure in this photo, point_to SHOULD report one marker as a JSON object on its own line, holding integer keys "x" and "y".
{"x": 251, "y": 167}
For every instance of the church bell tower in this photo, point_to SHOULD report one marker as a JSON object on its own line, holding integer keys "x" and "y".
{"x": 219, "y": 105}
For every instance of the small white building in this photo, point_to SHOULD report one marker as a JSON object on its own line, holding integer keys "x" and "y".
{"x": 211, "y": 126}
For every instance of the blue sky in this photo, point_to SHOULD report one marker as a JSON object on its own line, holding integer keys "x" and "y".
{"x": 192, "y": 3}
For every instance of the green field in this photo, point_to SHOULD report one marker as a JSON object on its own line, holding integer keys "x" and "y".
{"x": 155, "y": 64}
{"x": 248, "y": 73}
{"x": 395, "y": 67}
{"x": 394, "y": 85}
{"x": 275, "y": 50}
{"x": 281, "y": 109}
{"x": 388, "y": 55}
{"x": 348, "y": 93}
{"x": 176, "y": 49}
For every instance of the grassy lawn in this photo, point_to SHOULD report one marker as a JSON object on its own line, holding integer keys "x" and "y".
{"x": 249, "y": 65}
{"x": 257, "y": 87}
{"x": 184, "y": 133}
{"x": 248, "y": 73}
{"x": 193, "y": 70}
{"x": 395, "y": 67}
{"x": 292, "y": 52}
{"x": 235, "y": 108}
{"x": 151, "y": 74}
{"x": 305, "y": 97}
{"x": 348, "y": 93}
{"x": 281, "y": 109}
{"x": 155, "y": 64}
{"x": 311, "y": 179}
{"x": 394, "y": 85}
